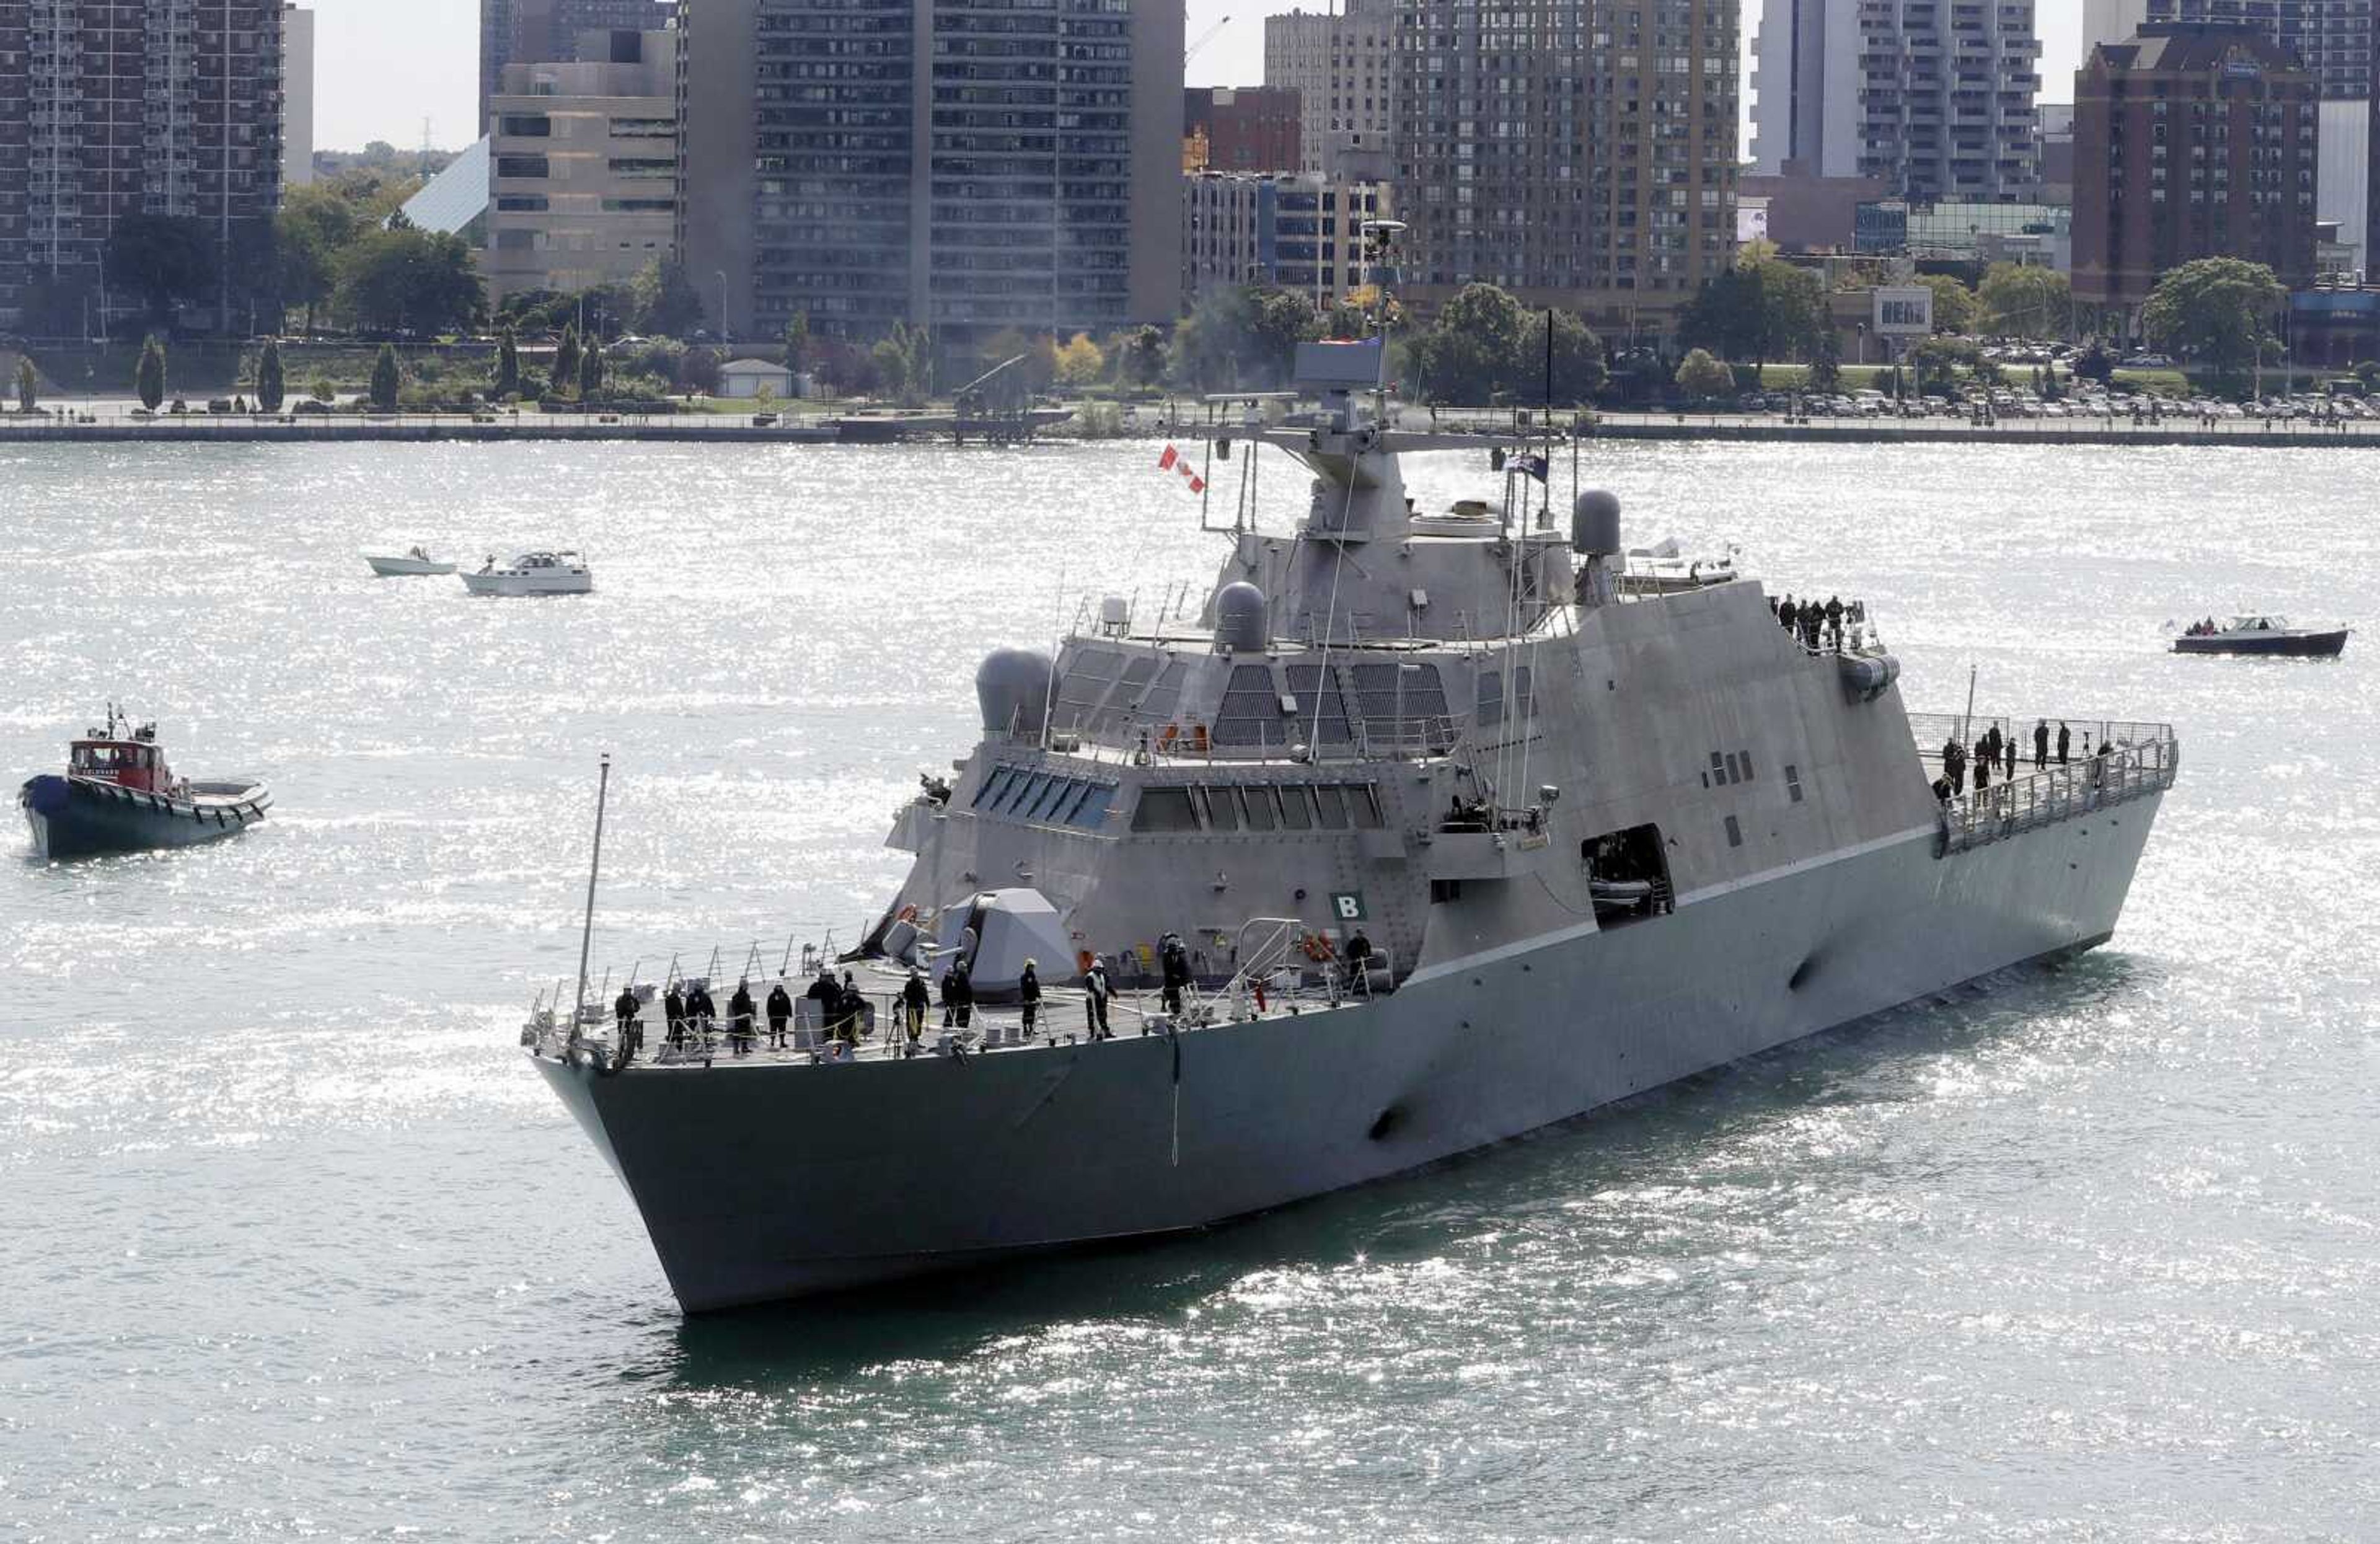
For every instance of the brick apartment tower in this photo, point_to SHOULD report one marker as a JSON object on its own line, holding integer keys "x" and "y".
{"x": 1578, "y": 153}
{"x": 111, "y": 108}
{"x": 2191, "y": 141}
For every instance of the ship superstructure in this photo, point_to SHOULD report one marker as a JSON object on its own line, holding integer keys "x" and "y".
{"x": 1595, "y": 837}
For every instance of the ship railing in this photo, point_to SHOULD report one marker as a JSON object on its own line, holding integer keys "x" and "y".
{"x": 2057, "y": 792}
{"x": 1135, "y": 742}
{"x": 1932, "y": 731}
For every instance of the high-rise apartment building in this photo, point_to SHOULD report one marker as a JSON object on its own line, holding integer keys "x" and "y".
{"x": 2331, "y": 38}
{"x": 1304, "y": 234}
{"x": 1578, "y": 153}
{"x": 583, "y": 168}
{"x": 1935, "y": 97}
{"x": 113, "y": 108}
{"x": 2191, "y": 142}
{"x": 547, "y": 32}
{"x": 297, "y": 96}
{"x": 965, "y": 165}
{"x": 1343, "y": 64}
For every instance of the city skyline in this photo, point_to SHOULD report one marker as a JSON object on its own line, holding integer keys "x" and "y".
{"x": 384, "y": 69}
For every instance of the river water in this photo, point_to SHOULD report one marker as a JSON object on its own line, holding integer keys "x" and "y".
{"x": 297, "y": 1246}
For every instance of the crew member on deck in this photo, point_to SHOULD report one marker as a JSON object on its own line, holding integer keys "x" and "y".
{"x": 851, "y": 1010}
{"x": 829, "y": 998}
{"x": 624, "y": 1008}
{"x": 2062, "y": 740}
{"x": 1095, "y": 999}
{"x": 1954, "y": 764}
{"x": 1173, "y": 967}
{"x": 701, "y": 1013}
{"x": 958, "y": 996}
{"x": 739, "y": 1019}
{"x": 2040, "y": 743}
{"x": 913, "y": 998}
{"x": 673, "y": 1015}
{"x": 781, "y": 1008}
{"x": 1983, "y": 759}
{"x": 1359, "y": 955}
{"x": 1028, "y": 996}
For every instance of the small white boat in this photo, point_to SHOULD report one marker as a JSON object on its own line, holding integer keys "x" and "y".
{"x": 416, "y": 560}
{"x": 1665, "y": 569}
{"x": 533, "y": 574}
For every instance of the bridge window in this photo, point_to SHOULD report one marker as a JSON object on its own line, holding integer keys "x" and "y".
{"x": 1257, "y": 804}
{"x": 1296, "y": 808}
{"x": 1334, "y": 805}
{"x": 994, "y": 787}
{"x": 1022, "y": 797}
{"x": 1363, "y": 803}
{"x": 1164, "y": 809}
{"x": 1793, "y": 782}
{"x": 1734, "y": 833}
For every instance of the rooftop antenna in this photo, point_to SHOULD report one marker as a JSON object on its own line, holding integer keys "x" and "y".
{"x": 428, "y": 147}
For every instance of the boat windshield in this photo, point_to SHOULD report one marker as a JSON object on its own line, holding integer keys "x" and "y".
{"x": 2258, "y": 625}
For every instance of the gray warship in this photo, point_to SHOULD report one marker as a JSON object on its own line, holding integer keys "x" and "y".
{"x": 1597, "y": 837}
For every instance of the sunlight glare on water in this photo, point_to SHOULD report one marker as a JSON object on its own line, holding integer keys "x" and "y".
{"x": 299, "y": 1246}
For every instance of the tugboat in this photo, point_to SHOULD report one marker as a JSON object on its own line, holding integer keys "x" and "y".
{"x": 119, "y": 795}
{"x": 533, "y": 574}
{"x": 2261, "y": 634}
{"x": 1406, "y": 842}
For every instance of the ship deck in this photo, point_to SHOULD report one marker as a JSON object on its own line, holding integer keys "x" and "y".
{"x": 993, "y": 1029}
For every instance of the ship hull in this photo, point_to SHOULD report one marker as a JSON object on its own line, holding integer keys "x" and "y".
{"x": 79, "y": 817}
{"x": 2310, "y": 646}
{"x": 765, "y": 1183}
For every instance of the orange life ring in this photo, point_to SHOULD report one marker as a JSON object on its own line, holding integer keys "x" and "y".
{"x": 907, "y": 913}
{"x": 1318, "y": 947}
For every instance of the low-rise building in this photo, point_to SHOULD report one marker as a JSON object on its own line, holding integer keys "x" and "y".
{"x": 745, "y": 379}
{"x": 1239, "y": 129}
{"x": 584, "y": 167}
{"x": 2191, "y": 141}
{"x": 1300, "y": 233}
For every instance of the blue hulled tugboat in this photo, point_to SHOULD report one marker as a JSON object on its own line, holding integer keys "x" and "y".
{"x": 119, "y": 795}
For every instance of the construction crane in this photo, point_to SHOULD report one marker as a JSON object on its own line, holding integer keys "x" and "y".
{"x": 1202, "y": 39}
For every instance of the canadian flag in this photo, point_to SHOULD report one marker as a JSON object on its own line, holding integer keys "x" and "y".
{"x": 1174, "y": 461}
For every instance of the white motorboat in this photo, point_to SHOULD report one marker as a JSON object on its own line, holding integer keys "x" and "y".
{"x": 533, "y": 574}
{"x": 416, "y": 561}
{"x": 1665, "y": 569}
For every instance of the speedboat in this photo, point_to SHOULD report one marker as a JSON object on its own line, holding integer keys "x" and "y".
{"x": 416, "y": 561}
{"x": 2261, "y": 633}
{"x": 118, "y": 794}
{"x": 533, "y": 574}
{"x": 1665, "y": 568}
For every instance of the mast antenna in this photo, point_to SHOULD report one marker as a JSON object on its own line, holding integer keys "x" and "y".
{"x": 594, "y": 868}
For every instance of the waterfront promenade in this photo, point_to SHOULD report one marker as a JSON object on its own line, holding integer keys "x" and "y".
{"x": 113, "y": 421}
